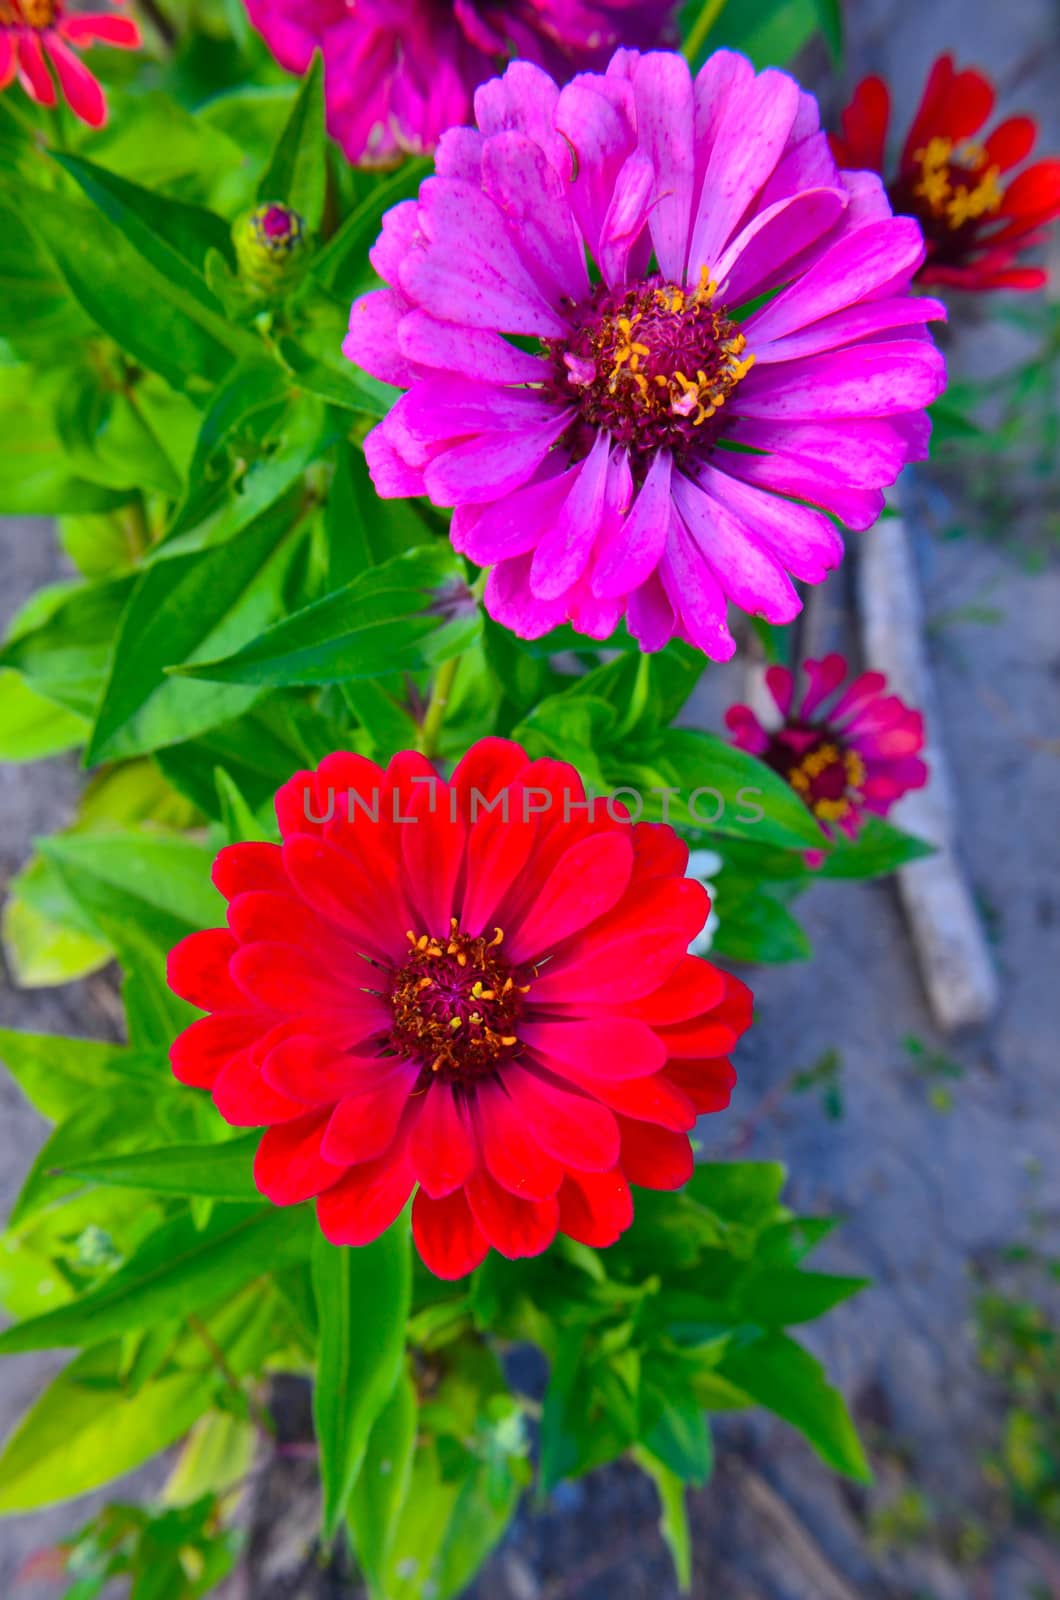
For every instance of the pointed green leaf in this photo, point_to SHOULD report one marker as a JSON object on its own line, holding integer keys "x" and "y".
{"x": 779, "y": 1374}
{"x": 185, "y": 608}
{"x": 216, "y": 1171}
{"x": 382, "y": 1484}
{"x": 56, "y": 1074}
{"x": 673, "y": 1515}
{"x": 179, "y": 1269}
{"x": 156, "y": 224}
{"x": 362, "y": 1299}
{"x": 402, "y": 616}
{"x": 31, "y": 726}
{"x": 297, "y": 171}
{"x": 342, "y": 264}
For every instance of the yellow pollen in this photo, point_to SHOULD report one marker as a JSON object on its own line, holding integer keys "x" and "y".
{"x": 956, "y": 202}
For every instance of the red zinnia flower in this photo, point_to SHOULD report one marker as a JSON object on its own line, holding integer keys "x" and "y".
{"x": 860, "y": 755}
{"x": 479, "y": 987}
{"x": 34, "y": 33}
{"x": 975, "y": 226}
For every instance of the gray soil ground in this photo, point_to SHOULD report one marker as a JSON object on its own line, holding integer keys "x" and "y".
{"x": 930, "y": 1196}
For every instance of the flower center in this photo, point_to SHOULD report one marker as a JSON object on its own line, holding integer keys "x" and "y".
{"x": 456, "y": 1002}
{"x": 652, "y": 366}
{"x": 827, "y": 778}
{"x": 37, "y": 14}
{"x": 953, "y": 187}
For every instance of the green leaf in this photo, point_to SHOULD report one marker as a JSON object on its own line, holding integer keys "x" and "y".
{"x": 830, "y": 22}
{"x": 31, "y": 726}
{"x": 342, "y": 264}
{"x": 777, "y": 1373}
{"x": 362, "y": 1299}
{"x": 297, "y": 171}
{"x": 880, "y": 848}
{"x": 241, "y": 412}
{"x": 56, "y": 1073}
{"x": 779, "y": 1296}
{"x": 170, "y": 322}
{"x": 381, "y": 1486}
{"x": 158, "y": 225}
{"x": 215, "y": 1171}
{"x": 771, "y": 32}
{"x": 240, "y": 823}
{"x": 405, "y": 615}
{"x": 160, "y": 882}
{"x": 63, "y": 656}
{"x": 755, "y": 926}
{"x": 86, "y": 1429}
{"x": 362, "y": 530}
{"x": 177, "y": 1269}
{"x": 673, "y": 1518}
{"x": 675, "y": 1431}
{"x": 47, "y": 940}
{"x": 746, "y": 1192}
{"x": 182, "y": 608}
{"x": 749, "y": 800}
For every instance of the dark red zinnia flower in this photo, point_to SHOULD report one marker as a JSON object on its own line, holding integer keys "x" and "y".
{"x": 975, "y": 223}
{"x": 858, "y": 755}
{"x": 476, "y": 987}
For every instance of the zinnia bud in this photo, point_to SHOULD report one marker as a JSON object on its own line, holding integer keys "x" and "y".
{"x": 271, "y": 246}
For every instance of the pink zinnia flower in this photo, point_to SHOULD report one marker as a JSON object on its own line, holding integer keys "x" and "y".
{"x": 634, "y": 453}
{"x": 36, "y": 34}
{"x": 399, "y": 72}
{"x": 861, "y": 754}
{"x": 479, "y": 990}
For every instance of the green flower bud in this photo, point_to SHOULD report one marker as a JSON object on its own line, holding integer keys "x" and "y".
{"x": 271, "y": 246}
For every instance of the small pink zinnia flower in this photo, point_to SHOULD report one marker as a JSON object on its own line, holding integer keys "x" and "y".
{"x": 858, "y": 755}
{"x": 647, "y": 448}
{"x": 36, "y": 34}
{"x": 479, "y": 990}
{"x": 399, "y": 72}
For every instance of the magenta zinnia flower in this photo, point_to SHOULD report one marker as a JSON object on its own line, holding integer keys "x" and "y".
{"x": 641, "y": 450}
{"x": 861, "y": 754}
{"x": 399, "y": 72}
{"x": 36, "y": 35}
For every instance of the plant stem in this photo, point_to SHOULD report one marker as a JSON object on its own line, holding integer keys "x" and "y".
{"x": 258, "y": 1413}
{"x": 434, "y": 716}
{"x": 697, "y": 38}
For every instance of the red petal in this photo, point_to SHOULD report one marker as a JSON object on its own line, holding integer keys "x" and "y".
{"x": 955, "y": 105}
{"x": 7, "y": 59}
{"x": 498, "y": 848}
{"x": 102, "y": 28}
{"x": 631, "y": 951}
{"x": 316, "y": 1071}
{"x": 1034, "y": 192}
{"x": 653, "y": 1099}
{"x": 432, "y": 851}
{"x": 302, "y": 805}
{"x": 864, "y": 124}
{"x": 349, "y": 895}
{"x": 692, "y": 989}
{"x": 708, "y": 1085}
{"x": 516, "y": 1228}
{"x": 595, "y": 1207}
{"x": 289, "y": 1167}
{"x": 260, "y": 917}
{"x": 365, "y": 1202}
{"x": 447, "y": 1236}
{"x": 599, "y": 1047}
{"x": 509, "y": 1149}
{"x": 290, "y": 981}
{"x": 441, "y": 1144}
{"x": 654, "y": 1158}
{"x": 488, "y": 767}
{"x": 587, "y": 881}
{"x": 198, "y": 1054}
{"x": 81, "y": 88}
{"x": 32, "y": 72}
{"x": 198, "y": 971}
{"x": 240, "y": 868}
{"x": 1010, "y": 142}
{"x": 658, "y": 852}
{"x": 364, "y": 1125}
{"x": 574, "y": 1129}
{"x": 245, "y": 1100}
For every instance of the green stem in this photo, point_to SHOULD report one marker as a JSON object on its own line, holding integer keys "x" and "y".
{"x": 259, "y": 1416}
{"x": 697, "y": 38}
{"x": 434, "y": 716}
